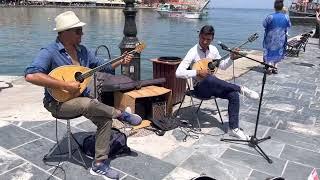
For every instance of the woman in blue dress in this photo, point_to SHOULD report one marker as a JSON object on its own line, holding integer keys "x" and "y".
{"x": 275, "y": 38}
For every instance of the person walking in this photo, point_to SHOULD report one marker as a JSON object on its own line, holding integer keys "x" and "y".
{"x": 318, "y": 22}
{"x": 275, "y": 38}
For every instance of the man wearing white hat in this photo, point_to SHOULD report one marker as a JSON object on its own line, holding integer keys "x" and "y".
{"x": 67, "y": 50}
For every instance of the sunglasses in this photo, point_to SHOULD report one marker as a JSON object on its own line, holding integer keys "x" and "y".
{"x": 78, "y": 30}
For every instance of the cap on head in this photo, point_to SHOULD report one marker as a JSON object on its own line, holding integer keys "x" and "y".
{"x": 67, "y": 20}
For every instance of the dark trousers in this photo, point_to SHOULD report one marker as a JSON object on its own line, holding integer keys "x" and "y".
{"x": 213, "y": 86}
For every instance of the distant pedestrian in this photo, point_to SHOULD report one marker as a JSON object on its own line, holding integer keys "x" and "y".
{"x": 285, "y": 11}
{"x": 318, "y": 21}
{"x": 275, "y": 39}
{"x": 318, "y": 15}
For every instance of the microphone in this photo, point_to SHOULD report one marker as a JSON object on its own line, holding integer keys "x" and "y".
{"x": 223, "y": 46}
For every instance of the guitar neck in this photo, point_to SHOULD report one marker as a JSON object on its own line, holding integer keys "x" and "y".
{"x": 225, "y": 56}
{"x": 98, "y": 68}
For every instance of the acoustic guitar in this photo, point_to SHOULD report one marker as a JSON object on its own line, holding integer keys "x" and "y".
{"x": 81, "y": 74}
{"x": 213, "y": 64}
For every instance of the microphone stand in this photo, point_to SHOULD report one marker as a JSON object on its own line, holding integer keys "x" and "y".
{"x": 254, "y": 141}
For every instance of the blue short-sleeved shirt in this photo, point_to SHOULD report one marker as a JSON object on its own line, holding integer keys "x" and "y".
{"x": 55, "y": 55}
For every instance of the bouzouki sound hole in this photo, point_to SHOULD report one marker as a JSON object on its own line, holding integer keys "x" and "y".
{"x": 78, "y": 77}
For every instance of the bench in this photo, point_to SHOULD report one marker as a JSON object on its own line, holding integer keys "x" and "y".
{"x": 294, "y": 46}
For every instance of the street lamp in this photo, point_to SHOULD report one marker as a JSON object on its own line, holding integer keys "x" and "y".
{"x": 129, "y": 41}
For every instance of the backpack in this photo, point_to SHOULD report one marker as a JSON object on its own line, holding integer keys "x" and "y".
{"x": 118, "y": 144}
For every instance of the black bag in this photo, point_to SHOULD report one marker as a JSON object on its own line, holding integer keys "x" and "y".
{"x": 165, "y": 123}
{"x": 118, "y": 144}
{"x": 109, "y": 83}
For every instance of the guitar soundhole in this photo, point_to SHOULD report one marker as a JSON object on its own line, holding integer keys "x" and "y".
{"x": 78, "y": 77}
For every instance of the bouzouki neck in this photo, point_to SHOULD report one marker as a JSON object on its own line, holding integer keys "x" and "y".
{"x": 98, "y": 68}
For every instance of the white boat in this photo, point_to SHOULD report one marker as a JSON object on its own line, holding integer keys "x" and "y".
{"x": 195, "y": 15}
{"x": 169, "y": 10}
{"x": 182, "y": 10}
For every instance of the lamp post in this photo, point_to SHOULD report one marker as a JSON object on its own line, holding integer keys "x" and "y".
{"x": 129, "y": 41}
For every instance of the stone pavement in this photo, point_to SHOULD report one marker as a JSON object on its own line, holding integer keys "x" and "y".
{"x": 290, "y": 115}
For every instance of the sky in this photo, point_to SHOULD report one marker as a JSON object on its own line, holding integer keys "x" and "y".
{"x": 258, "y": 4}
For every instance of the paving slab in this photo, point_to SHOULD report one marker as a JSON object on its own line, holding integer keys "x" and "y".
{"x": 202, "y": 164}
{"x": 73, "y": 172}
{"x": 26, "y": 171}
{"x": 12, "y": 136}
{"x": 295, "y": 139}
{"x": 256, "y": 175}
{"x": 9, "y": 160}
{"x": 255, "y": 161}
{"x": 296, "y": 171}
{"x": 301, "y": 155}
{"x": 145, "y": 167}
{"x": 35, "y": 151}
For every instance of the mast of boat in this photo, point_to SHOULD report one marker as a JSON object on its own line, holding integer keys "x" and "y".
{"x": 204, "y": 6}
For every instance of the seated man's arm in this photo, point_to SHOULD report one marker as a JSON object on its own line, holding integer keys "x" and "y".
{"x": 224, "y": 63}
{"x": 182, "y": 70}
{"x": 37, "y": 73}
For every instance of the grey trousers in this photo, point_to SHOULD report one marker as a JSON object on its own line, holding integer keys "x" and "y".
{"x": 100, "y": 114}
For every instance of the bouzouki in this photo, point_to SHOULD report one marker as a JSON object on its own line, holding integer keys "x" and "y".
{"x": 213, "y": 64}
{"x": 81, "y": 74}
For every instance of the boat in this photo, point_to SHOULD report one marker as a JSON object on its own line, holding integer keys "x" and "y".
{"x": 184, "y": 10}
{"x": 303, "y": 11}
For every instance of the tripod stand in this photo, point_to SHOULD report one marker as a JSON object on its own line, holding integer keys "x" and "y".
{"x": 254, "y": 141}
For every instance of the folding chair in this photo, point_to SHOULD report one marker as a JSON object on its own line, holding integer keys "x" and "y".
{"x": 191, "y": 93}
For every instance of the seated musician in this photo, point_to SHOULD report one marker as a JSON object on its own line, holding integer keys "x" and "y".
{"x": 210, "y": 85}
{"x": 67, "y": 50}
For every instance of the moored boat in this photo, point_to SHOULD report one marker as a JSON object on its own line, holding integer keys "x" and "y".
{"x": 303, "y": 11}
{"x": 182, "y": 10}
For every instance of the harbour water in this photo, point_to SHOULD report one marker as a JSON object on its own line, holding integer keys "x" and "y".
{"x": 23, "y": 31}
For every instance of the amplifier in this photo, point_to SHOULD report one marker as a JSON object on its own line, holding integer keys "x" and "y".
{"x": 159, "y": 110}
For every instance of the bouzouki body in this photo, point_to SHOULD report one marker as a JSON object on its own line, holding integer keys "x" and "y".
{"x": 68, "y": 73}
{"x": 212, "y": 64}
{"x": 203, "y": 64}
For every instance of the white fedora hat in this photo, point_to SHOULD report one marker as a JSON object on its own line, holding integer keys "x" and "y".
{"x": 67, "y": 20}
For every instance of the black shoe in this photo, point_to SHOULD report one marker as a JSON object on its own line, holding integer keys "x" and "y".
{"x": 275, "y": 71}
{"x": 269, "y": 71}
